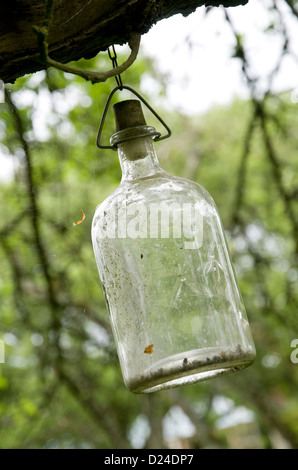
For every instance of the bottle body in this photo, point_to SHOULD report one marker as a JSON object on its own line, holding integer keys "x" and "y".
{"x": 175, "y": 307}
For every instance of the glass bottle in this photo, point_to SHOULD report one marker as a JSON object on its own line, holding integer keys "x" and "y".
{"x": 175, "y": 308}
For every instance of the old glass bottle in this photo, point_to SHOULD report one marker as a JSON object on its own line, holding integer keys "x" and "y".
{"x": 175, "y": 307}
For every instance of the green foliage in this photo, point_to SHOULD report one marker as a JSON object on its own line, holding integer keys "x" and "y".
{"x": 61, "y": 385}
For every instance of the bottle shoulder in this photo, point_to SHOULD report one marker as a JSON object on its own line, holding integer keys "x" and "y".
{"x": 163, "y": 186}
{"x": 158, "y": 188}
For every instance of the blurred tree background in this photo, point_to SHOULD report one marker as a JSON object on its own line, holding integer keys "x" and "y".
{"x": 61, "y": 384}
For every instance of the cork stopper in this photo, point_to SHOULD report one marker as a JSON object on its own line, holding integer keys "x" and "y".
{"x": 128, "y": 113}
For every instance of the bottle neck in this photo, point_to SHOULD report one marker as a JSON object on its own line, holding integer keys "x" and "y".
{"x": 138, "y": 158}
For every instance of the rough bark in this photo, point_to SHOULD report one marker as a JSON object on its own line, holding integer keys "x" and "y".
{"x": 80, "y": 28}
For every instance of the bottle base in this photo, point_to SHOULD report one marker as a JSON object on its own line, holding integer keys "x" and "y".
{"x": 190, "y": 367}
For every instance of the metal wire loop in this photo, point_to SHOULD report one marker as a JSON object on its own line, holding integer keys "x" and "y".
{"x": 156, "y": 138}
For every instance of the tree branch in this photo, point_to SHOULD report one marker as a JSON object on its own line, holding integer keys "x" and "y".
{"x": 34, "y": 211}
{"x": 290, "y": 4}
{"x": 97, "y": 77}
{"x": 103, "y": 416}
{"x": 241, "y": 180}
{"x": 92, "y": 76}
{"x": 276, "y": 169}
